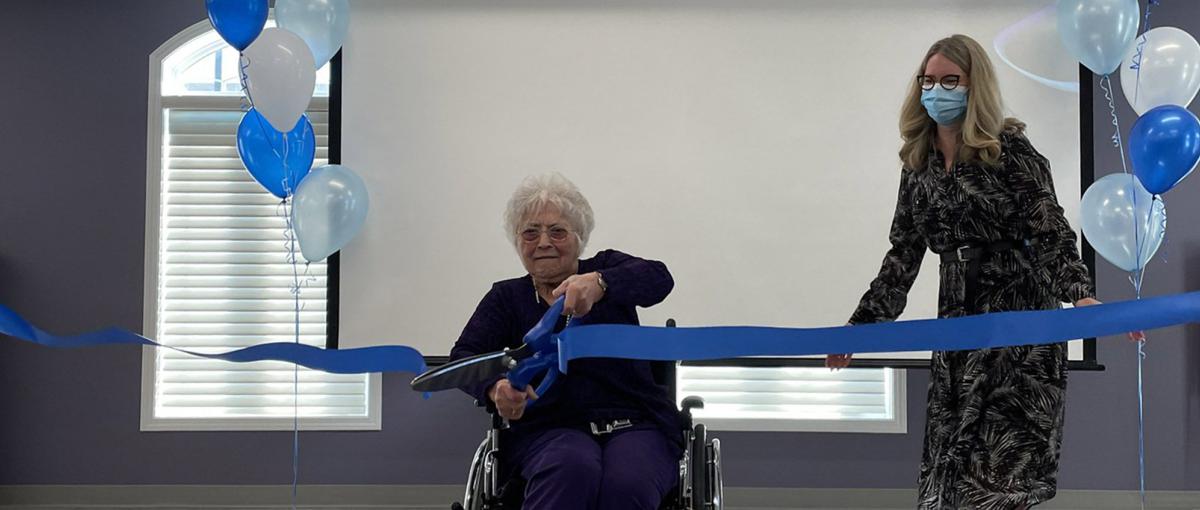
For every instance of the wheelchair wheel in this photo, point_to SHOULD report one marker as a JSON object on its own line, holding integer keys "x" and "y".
{"x": 698, "y": 473}
{"x": 473, "y": 496}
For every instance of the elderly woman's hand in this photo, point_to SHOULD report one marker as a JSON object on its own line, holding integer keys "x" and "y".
{"x": 510, "y": 403}
{"x": 582, "y": 291}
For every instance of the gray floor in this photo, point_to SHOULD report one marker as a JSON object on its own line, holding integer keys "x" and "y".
{"x": 376, "y": 497}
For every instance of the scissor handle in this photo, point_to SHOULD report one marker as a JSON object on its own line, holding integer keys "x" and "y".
{"x": 540, "y": 336}
{"x": 529, "y": 368}
{"x": 545, "y": 359}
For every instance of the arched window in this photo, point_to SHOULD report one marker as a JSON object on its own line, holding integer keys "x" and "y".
{"x": 217, "y": 276}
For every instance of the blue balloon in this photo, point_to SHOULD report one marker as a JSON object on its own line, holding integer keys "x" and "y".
{"x": 1164, "y": 147}
{"x": 1122, "y": 221}
{"x": 328, "y": 210}
{"x": 321, "y": 23}
{"x": 1098, "y": 32}
{"x": 237, "y": 21}
{"x": 277, "y": 167}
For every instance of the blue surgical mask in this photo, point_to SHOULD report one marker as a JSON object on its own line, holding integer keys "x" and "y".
{"x": 945, "y": 107}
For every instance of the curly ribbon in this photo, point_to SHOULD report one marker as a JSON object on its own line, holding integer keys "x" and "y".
{"x": 1106, "y": 86}
{"x": 246, "y": 102}
{"x": 1136, "y": 65}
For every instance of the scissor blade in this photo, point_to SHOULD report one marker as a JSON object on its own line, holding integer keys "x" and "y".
{"x": 463, "y": 372}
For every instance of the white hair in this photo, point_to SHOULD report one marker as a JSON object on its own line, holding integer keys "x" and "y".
{"x": 538, "y": 191}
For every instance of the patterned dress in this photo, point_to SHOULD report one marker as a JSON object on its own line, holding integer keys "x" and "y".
{"x": 995, "y": 416}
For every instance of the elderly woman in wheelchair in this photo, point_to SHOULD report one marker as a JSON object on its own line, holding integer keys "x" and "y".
{"x": 606, "y": 435}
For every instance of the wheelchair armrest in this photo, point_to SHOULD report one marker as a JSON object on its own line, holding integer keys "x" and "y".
{"x": 487, "y": 405}
{"x": 690, "y": 403}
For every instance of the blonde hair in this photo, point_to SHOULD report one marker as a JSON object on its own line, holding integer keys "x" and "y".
{"x": 984, "y": 120}
{"x": 538, "y": 191}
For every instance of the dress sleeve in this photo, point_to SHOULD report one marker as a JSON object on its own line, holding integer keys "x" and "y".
{"x": 1044, "y": 218}
{"x": 887, "y": 296}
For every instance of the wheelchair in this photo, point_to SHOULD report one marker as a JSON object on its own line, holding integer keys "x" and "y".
{"x": 700, "y": 486}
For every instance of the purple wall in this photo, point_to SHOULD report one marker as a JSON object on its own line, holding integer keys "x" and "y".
{"x": 76, "y": 177}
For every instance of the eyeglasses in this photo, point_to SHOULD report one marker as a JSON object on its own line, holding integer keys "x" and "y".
{"x": 556, "y": 233}
{"x": 948, "y": 82}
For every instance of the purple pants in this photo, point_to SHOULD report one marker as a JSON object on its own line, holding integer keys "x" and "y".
{"x": 629, "y": 469}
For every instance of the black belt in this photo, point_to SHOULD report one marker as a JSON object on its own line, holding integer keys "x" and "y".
{"x": 973, "y": 255}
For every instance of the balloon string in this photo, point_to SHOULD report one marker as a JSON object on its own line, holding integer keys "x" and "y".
{"x": 290, "y": 236}
{"x": 1138, "y": 262}
{"x": 243, "y": 79}
{"x": 1138, "y": 276}
{"x": 1141, "y": 355}
{"x": 1144, "y": 245}
{"x": 247, "y": 104}
{"x": 287, "y": 172}
{"x": 1162, "y": 224}
{"x": 1141, "y": 427}
{"x": 1136, "y": 65}
{"x": 1106, "y": 86}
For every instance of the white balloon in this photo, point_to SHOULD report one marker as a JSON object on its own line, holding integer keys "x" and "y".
{"x": 1170, "y": 70}
{"x": 280, "y": 77}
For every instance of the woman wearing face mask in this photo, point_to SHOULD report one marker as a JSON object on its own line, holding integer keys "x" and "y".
{"x": 975, "y": 191}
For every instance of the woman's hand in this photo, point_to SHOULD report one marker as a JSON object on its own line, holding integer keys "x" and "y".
{"x": 1135, "y": 336}
{"x": 510, "y": 403}
{"x": 837, "y": 361}
{"x": 582, "y": 291}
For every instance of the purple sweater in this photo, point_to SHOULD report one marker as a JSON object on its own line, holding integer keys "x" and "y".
{"x": 594, "y": 389}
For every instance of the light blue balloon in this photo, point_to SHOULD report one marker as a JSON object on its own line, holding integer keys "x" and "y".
{"x": 1115, "y": 226}
{"x": 321, "y": 23}
{"x": 1098, "y": 33}
{"x": 328, "y": 210}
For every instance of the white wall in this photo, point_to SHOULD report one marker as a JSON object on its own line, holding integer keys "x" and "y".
{"x": 750, "y": 145}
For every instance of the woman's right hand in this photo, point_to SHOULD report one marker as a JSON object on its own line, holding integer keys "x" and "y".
{"x": 510, "y": 403}
{"x": 838, "y": 361}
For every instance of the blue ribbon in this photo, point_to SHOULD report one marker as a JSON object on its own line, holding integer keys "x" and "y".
{"x": 1001, "y": 329}
{"x": 389, "y": 358}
